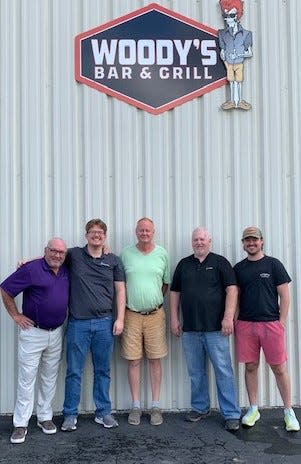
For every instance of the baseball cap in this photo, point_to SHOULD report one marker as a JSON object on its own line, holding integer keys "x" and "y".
{"x": 252, "y": 231}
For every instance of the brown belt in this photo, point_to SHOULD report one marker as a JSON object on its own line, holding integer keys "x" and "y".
{"x": 146, "y": 312}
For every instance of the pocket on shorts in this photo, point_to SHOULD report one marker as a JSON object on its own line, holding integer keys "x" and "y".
{"x": 281, "y": 325}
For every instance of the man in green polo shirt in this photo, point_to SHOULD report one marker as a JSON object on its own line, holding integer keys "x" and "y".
{"x": 147, "y": 277}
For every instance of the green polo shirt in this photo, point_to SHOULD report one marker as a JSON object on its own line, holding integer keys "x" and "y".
{"x": 145, "y": 275}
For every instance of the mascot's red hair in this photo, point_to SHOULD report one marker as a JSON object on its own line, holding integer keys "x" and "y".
{"x": 227, "y": 5}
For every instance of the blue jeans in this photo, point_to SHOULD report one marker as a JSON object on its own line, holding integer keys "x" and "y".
{"x": 84, "y": 335}
{"x": 198, "y": 346}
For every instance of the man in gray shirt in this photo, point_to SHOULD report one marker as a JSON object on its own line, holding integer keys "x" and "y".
{"x": 94, "y": 279}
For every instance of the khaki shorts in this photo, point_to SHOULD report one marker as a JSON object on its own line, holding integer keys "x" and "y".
{"x": 235, "y": 72}
{"x": 144, "y": 331}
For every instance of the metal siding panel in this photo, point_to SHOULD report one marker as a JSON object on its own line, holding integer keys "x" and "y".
{"x": 69, "y": 153}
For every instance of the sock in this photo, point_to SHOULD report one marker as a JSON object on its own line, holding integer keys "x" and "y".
{"x": 136, "y": 404}
{"x": 155, "y": 404}
{"x": 254, "y": 407}
{"x": 288, "y": 410}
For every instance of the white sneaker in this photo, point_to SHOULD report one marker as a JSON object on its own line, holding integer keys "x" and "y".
{"x": 291, "y": 422}
{"x": 107, "y": 421}
{"x": 69, "y": 424}
{"x": 250, "y": 417}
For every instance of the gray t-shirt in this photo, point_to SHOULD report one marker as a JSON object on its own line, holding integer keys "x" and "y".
{"x": 92, "y": 283}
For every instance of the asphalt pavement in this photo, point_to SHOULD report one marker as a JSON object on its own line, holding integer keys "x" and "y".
{"x": 174, "y": 442}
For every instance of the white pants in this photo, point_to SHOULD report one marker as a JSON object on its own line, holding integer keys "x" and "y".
{"x": 39, "y": 354}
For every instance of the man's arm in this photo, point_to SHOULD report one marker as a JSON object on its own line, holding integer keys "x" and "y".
{"x": 230, "y": 308}
{"x": 120, "y": 302}
{"x": 10, "y": 305}
{"x": 237, "y": 305}
{"x": 284, "y": 296}
{"x": 164, "y": 288}
{"x": 174, "y": 301}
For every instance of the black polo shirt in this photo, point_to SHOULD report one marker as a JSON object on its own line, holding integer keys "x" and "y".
{"x": 203, "y": 291}
{"x": 92, "y": 282}
{"x": 258, "y": 281}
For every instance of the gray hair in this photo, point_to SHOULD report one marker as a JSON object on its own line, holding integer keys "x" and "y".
{"x": 202, "y": 229}
{"x": 56, "y": 238}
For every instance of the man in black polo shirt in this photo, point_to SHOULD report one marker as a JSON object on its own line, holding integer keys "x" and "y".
{"x": 205, "y": 285}
{"x": 94, "y": 278}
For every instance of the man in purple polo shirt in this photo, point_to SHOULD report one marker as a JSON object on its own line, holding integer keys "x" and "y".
{"x": 45, "y": 286}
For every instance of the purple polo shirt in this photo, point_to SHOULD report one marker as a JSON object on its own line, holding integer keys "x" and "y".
{"x": 45, "y": 294}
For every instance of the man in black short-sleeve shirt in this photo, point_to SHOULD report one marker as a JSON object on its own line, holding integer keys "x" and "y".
{"x": 95, "y": 278}
{"x": 205, "y": 285}
{"x": 202, "y": 287}
{"x": 263, "y": 309}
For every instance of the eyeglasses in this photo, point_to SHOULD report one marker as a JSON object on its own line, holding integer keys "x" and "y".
{"x": 96, "y": 232}
{"x": 230, "y": 15}
{"x": 56, "y": 252}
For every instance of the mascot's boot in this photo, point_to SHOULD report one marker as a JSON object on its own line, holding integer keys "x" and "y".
{"x": 243, "y": 105}
{"x": 228, "y": 105}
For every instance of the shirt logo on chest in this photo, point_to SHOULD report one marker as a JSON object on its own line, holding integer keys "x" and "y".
{"x": 104, "y": 264}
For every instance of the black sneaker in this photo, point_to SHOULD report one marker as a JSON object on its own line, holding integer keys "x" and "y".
{"x": 195, "y": 416}
{"x": 232, "y": 425}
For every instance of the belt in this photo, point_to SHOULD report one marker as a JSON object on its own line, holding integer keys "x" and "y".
{"x": 50, "y": 329}
{"x": 147, "y": 311}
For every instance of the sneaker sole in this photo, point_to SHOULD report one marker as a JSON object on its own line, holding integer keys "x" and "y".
{"x": 197, "y": 419}
{"x": 292, "y": 429}
{"x": 48, "y": 432}
{"x": 18, "y": 440}
{"x": 156, "y": 423}
{"x": 132, "y": 422}
{"x": 106, "y": 426}
{"x": 232, "y": 429}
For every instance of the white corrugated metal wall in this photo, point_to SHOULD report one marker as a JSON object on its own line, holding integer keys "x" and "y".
{"x": 69, "y": 153}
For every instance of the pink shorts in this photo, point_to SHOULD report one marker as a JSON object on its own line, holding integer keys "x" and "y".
{"x": 250, "y": 337}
